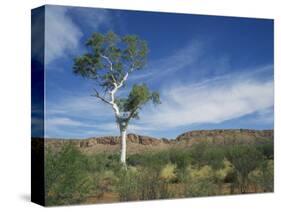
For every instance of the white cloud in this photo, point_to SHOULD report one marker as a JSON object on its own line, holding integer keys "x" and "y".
{"x": 57, "y": 126}
{"x": 82, "y": 106}
{"x": 69, "y": 127}
{"x": 172, "y": 63}
{"x": 79, "y": 116}
{"x": 62, "y": 34}
{"x": 53, "y": 122}
{"x": 93, "y": 18}
{"x": 213, "y": 101}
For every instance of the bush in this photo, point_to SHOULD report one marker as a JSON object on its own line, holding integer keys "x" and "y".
{"x": 200, "y": 182}
{"x": 202, "y": 170}
{"x": 267, "y": 149}
{"x": 222, "y": 173}
{"x": 180, "y": 157}
{"x": 148, "y": 159}
{"x": 214, "y": 157}
{"x": 148, "y": 182}
{"x": 127, "y": 184}
{"x": 203, "y": 154}
{"x": 197, "y": 152}
{"x": 168, "y": 172}
{"x": 66, "y": 180}
{"x": 244, "y": 158}
{"x": 262, "y": 177}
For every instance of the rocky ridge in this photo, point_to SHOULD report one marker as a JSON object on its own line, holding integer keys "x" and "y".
{"x": 227, "y": 136}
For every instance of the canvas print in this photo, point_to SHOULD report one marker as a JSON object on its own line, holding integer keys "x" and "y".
{"x": 135, "y": 105}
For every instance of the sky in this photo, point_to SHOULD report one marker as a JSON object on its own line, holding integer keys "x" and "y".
{"x": 212, "y": 72}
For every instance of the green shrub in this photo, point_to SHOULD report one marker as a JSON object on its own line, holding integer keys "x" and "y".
{"x": 214, "y": 157}
{"x": 244, "y": 158}
{"x": 180, "y": 157}
{"x": 203, "y": 154}
{"x": 149, "y": 159}
{"x": 202, "y": 170}
{"x": 197, "y": 152}
{"x": 127, "y": 184}
{"x": 267, "y": 149}
{"x": 168, "y": 172}
{"x": 263, "y": 176}
{"x": 66, "y": 180}
{"x": 200, "y": 182}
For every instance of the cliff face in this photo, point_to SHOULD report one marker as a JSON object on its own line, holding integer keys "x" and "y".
{"x": 109, "y": 140}
{"x": 140, "y": 143}
{"x": 113, "y": 140}
{"x": 245, "y": 132}
{"x": 226, "y": 136}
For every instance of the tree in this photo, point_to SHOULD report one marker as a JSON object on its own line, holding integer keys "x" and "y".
{"x": 109, "y": 61}
{"x": 244, "y": 158}
{"x": 66, "y": 174}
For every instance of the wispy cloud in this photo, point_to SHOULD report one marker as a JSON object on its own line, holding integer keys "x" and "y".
{"x": 93, "y": 19}
{"x": 210, "y": 101}
{"x": 79, "y": 116}
{"x": 76, "y": 105}
{"x": 53, "y": 122}
{"x": 176, "y": 61}
{"x": 213, "y": 101}
{"x": 74, "y": 128}
{"x": 63, "y": 34}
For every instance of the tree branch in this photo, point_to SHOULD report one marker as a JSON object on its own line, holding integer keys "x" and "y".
{"x": 110, "y": 67}
{"x": 123, "y": 80}
{"x": 113, "y": 91}
{"x": 108, "y": 60}
{"x": 100, "y": 97}
{"x": 116, "y": 86}
{"x": 132, "y": 113}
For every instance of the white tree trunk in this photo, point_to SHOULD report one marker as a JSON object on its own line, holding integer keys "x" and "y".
{"x": 123, "y": 146}
{"x": 122, "y": 125}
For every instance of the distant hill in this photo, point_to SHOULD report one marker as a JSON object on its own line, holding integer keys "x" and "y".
{"x": 139, "y": 143}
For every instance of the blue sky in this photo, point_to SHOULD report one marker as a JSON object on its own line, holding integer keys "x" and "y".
{"x": 211, "y": 72}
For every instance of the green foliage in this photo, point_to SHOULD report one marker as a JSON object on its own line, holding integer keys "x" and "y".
{"x": 148, "y": 183}
{"x": 202, "y": 170}
{"x": 168, "y": 172}
{"x": 267, "y": 149}
{"x": 127, "y": 186}
{"x": 245, "y": 158}
{"x": 138, "y": 96}
{"x": 66, "y": 183}
{"x": 108, "y": 62}
{"x": 136, "y": 51}
{"x": 206, "y": 154}
{"x": 197, "y": 153}
{"x": 150, "y": 160}
{"x": 180, "y": 157}
{"x": 263, "y": 176}
{"x": 71, "y": 175}
{"x": 110, "y": 57}
{"x": 200, "y": 182}
{"x": 224, "y": 171}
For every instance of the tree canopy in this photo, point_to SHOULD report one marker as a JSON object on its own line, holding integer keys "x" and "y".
{"x": 109, "y": 60}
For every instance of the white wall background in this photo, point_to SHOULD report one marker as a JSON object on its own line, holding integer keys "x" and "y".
{"x": 15, "y": 103}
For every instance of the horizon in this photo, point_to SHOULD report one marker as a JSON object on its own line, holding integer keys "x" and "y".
{"x": 85, "y": 138}
{"x": 211, "y": 72}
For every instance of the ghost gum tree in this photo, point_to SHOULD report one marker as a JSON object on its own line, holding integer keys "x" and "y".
{"x": 109, "y": 62}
